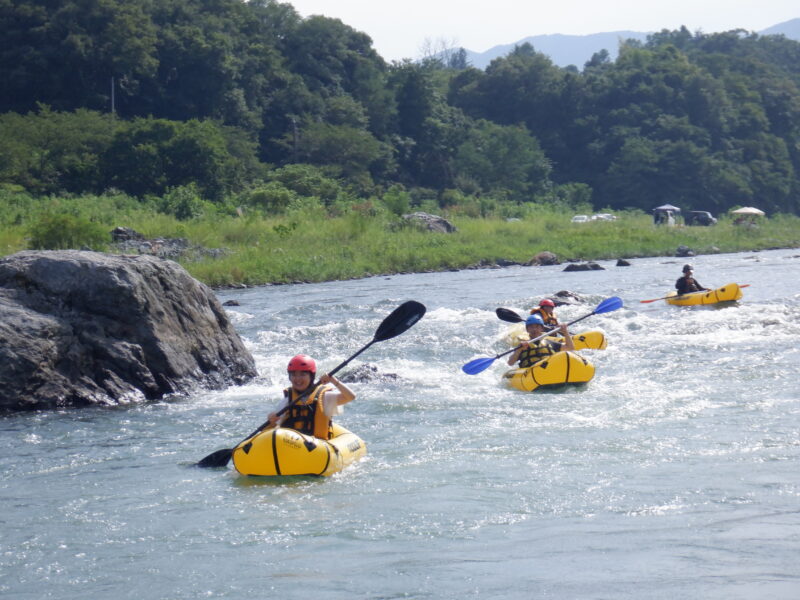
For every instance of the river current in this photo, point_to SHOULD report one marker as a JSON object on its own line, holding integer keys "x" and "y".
{"x": 674, "y": 473}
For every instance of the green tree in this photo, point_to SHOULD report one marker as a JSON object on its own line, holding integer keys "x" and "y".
{"x": 397, "y": 200}
{"x": 64, "y": 54}
{"x": 48, "y": 152}
{"x": 307, "y": 180}
{"x": 334, "y": 59}
{"x": 149, "y": 156}
{"x": 503, "y": 159}
{"x": 523, "y": 87}
{"x": 182, "y": 202}
{"x": 346, "y": 150}
{"x": 271, "y": 197}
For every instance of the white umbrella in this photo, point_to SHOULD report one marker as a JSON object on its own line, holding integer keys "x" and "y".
{"x": 748, "y": 210}
{"x": 668, "y": 207}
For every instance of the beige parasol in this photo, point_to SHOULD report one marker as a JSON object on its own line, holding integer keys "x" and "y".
{"x": 748, "y": 210}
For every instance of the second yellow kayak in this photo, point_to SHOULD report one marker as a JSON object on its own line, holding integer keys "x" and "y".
{"x": 585, "y": 340}
{"x": 727, "y": 293}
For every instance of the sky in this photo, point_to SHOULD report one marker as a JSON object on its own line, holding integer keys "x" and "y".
{"x": 406, "y": 28}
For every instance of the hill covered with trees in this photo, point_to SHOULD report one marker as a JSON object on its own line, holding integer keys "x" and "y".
{"x": 248, "y": 99}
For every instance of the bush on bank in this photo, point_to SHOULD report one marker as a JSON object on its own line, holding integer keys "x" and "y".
{"x": 280, "y": 235}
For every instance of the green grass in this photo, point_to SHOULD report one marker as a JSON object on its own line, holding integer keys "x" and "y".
{"x": 309, "y": 245}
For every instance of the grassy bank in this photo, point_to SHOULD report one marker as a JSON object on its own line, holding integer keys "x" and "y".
{"x": 309, "y": 243}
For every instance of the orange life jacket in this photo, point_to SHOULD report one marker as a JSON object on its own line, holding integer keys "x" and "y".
{"x": 548, "y": 319}
{"x": 308, "y": 415}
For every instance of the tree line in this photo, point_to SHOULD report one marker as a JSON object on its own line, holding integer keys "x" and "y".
{"x": 146, "y": 96}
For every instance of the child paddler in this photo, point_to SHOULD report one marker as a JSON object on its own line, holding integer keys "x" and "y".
{"x": 312, "y": 406}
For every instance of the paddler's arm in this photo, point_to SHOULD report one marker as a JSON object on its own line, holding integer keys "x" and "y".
{"x": 335, "y": 398}
{"x": 568, "y": 343}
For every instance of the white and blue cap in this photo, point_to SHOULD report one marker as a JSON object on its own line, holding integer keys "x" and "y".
{"x": 534, "y": 320}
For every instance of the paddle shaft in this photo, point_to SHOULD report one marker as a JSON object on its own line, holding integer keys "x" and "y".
{"x": 544, "y": 335}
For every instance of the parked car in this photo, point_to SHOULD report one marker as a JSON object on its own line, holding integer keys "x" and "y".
{"x": 580, "y": 219}
{"x": 701, "y": 217}
{"x": 604, "y": 217}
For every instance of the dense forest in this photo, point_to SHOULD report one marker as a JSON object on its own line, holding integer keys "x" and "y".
{"x": 248, "y": 99}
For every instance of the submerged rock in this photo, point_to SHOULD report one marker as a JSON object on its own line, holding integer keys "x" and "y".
{"x": 84, "y": 328}
{"x": 566, "y": 298}
{"x": 366, "y": 373}
{"x": 588, "y": 266}
{"x": 545, "y": 258}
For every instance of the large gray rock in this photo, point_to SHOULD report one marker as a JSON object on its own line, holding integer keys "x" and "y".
{"x": 543, "y": 259}
{"x": 83, "y": 328}
{"x": 431, "y": 222}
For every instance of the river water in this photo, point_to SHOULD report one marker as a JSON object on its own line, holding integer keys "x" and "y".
{"x": 673, "y": 474}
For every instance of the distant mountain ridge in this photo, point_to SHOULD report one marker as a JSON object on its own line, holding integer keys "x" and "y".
{"x": 565, "y": 50}
{"x": 791, "y": 29}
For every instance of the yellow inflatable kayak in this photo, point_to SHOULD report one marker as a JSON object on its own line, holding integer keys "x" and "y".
{"x": 586, "y": 340}
{"x": 727, "y": 293}
{"x": 283, "y": 451}
{"x": 562, "y": 368}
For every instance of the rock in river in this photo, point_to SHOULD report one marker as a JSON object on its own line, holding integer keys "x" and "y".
{"x": 84, "y": 328}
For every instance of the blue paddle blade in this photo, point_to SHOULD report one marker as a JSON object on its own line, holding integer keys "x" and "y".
{"x": 608, "y": 305}
{"x": 474, "y": 367}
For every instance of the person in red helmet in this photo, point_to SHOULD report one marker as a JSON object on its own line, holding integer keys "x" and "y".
{"x": 312, "y": 406}
{"x": 546, "y": 310}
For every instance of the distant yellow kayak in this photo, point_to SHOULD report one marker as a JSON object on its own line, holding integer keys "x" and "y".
{"x": 562, "y": 368}
{"x": 283, "y": 451}
{"x": 727, "y": 293}
{"x": 586, "y": 340}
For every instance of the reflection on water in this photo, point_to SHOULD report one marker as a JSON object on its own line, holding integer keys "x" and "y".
{"x": 256, "y": 481}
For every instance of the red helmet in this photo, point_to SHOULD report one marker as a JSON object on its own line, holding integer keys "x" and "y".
{"x": 547, "y": 302}
{"x": 302, "y": 362}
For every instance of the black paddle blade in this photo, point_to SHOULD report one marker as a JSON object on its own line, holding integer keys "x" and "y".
{"x": 401, "y": 319}
{"x": 505, "y": 314}
{"x": 219, "y": 458}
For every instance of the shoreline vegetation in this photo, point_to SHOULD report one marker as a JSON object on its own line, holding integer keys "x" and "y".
{"x": 313, "y": 242}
